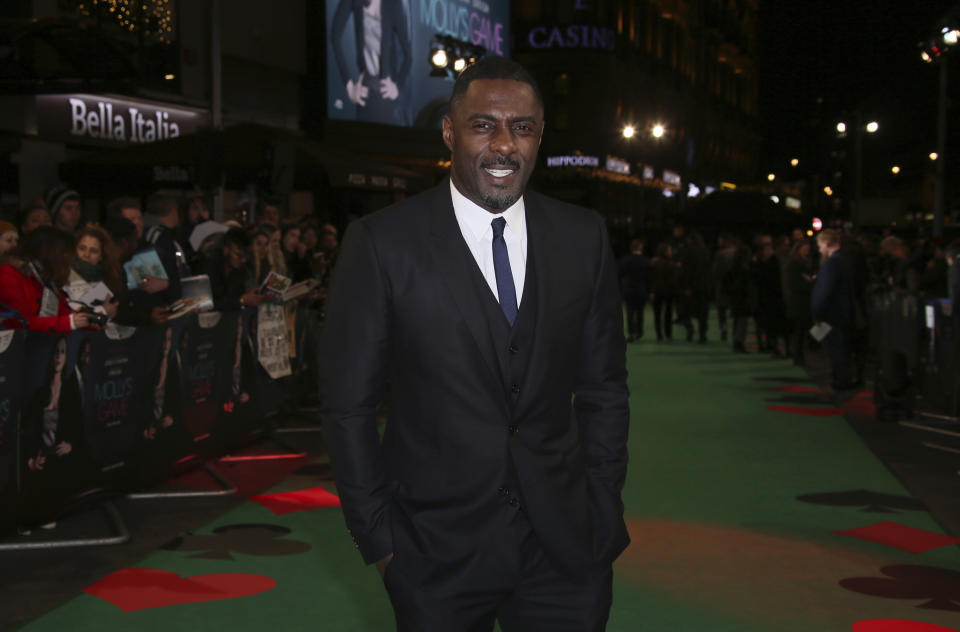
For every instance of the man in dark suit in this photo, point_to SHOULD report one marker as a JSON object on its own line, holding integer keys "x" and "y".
{"x": 493, "y": 314}
{"x": 833, "y": 303}
{"x": 381, "y": 55}
{"x": 635, "y": 282}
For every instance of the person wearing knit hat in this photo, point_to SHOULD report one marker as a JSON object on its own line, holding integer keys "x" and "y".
{"x": 8, "y": 237}
{"x": 64, "y": 205}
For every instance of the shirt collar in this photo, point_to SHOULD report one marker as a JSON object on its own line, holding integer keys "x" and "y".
{"x": 477, "y": 219}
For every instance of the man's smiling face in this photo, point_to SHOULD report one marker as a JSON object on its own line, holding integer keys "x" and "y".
{"x": 493, "y": 132}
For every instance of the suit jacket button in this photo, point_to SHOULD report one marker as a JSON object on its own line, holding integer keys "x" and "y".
{"x": 513, "y": 349}
{"x": 503, "y": 491}
{"x": 514, "y": 502}
{"x": 515, "y": 389}
{"x": 513, "y": 429}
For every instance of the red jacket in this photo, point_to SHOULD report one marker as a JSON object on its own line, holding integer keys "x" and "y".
{"x": 25, "y": 294}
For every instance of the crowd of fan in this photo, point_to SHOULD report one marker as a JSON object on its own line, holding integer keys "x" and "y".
{"x": 51, "y": 245}
{"x": 785, "y": 285}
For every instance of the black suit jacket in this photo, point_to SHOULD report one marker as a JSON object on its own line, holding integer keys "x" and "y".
{"x": 405, "y": 309}
{"x": 832, "y": 296}
{"x": 395, "y": 51}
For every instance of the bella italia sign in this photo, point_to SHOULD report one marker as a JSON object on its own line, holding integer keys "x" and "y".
{"x": 113, "y": 121}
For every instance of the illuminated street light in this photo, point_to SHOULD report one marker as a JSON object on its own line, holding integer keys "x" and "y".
{"x": 771, "y": 177}
{"x": 794, "y": 162}
{"x": 659, "y": 130}
{"x": 950, "y": 36}
{"x": 872, "y": 127}
{"x": 629, "y": 131}
{"x": 925, "y": 56}
{"x": 895, "y": 169}
{"x": 459, "y": 64}
{"x": 841, "y": 127}
{"x": 933, "y": 155}
{"x": 828, "y": 191}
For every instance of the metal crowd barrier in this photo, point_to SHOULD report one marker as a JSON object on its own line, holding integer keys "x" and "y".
{"x": 88, "y": 416}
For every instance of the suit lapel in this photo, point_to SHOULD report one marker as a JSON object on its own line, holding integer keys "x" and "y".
{"x": 459, "y": 273}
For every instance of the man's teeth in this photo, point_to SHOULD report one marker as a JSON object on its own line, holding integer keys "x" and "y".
{"x": 499, "y": 173}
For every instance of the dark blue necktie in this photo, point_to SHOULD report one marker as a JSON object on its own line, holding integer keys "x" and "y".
{"x": 501, "y": 266}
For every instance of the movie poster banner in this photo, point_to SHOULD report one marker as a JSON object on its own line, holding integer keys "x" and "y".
{"x": 200, "y": 348}
{"x": 103, "y": 412}
{"x": 113, "y": 363}
{"x": 56, "y": 466}
{"x": 11, "y": 383}
{"x": 378, "y": 66}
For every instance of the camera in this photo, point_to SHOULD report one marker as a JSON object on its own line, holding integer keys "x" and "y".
{"x": 95, "y": 318}
{"x": 99, "y": 320}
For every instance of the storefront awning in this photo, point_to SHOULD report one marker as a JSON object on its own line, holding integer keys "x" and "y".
{"x": 247, "y": 153}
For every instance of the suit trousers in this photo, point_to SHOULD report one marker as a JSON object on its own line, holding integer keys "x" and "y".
{"x": 510, "y": 580}
{"x": 635, "y": 308}
{"x": 837, "y": 344}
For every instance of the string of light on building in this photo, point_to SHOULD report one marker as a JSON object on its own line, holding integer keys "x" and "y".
{"x": 153, "y": 18}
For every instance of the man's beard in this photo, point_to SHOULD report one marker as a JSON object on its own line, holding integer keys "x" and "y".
{"x": 500, "y": 200}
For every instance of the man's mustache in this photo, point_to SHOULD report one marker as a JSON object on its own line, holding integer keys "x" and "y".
{"x": 501, "y": 161}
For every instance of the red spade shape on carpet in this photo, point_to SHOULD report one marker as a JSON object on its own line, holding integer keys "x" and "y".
{"x": 133, "y": 589}
{"x": 302, "y": 500}
{"x": 901, "y": 537}
{"x": 805, "y": 410}
{"x": 897, "y": 625}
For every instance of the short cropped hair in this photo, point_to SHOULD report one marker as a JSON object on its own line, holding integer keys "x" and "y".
{"x": 493, "y": 67}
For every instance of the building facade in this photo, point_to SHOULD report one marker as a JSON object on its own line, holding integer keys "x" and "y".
{"x": 94, "y": 83}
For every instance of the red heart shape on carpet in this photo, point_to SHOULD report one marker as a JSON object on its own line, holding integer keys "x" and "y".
{"x": 133, "y": 589}
{"x": 301, "y": 500}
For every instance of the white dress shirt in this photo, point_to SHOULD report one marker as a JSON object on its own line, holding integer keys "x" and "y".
{"x": 475, "y": 226}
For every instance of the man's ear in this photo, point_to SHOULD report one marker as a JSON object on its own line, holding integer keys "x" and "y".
{"x": 447, "y": 131}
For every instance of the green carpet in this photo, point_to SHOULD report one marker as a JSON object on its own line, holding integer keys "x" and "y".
{"x": 721, "y": 541}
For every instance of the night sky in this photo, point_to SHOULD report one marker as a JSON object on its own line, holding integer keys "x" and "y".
{"x": 821, "y": 59}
